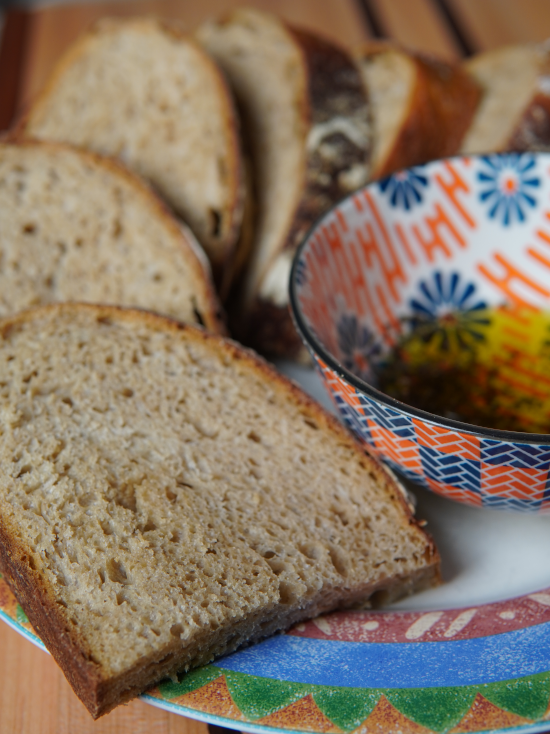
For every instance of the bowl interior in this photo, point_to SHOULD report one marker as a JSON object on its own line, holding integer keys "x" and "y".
{"x": 458, "y": 249}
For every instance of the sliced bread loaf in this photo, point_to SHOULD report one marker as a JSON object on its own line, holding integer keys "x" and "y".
{"x": 421, "y": 106}
{"x": 141, "y": 90}
{"x": 514, "y": 113}
{"x": 78, "y": 227}
{"x": 165, "y": 496}
{"x": 306, "y": 117}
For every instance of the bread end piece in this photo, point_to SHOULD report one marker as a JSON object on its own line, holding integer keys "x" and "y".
{"x": 514, "y": 113}
{"x": 421, "y": 105}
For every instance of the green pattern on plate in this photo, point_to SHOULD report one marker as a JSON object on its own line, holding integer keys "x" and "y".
{"x": 347, "y": 707}
{"x": 438, "y": 709}
{"x": 435, "y": 708}
{"x": 259, "y": 697}
{"x": 527, "y": 697}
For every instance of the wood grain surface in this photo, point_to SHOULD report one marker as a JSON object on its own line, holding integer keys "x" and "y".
{"x": 34, "y": 696}
{"x": 36, "y": 699}
{"x": 493, "y": 23}
{"x": 418, "y": 24}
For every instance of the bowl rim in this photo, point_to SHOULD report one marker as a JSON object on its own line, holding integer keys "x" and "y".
{"x": 316, "y": 347}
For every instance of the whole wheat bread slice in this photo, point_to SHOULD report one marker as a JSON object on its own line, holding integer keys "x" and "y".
{"x": 165, "y": 496}
{"x": 140, "y": 89}
{"x": 421, "y": 106}
{"x": 305, "y": 115}
{"x": 75, "y": 226}
{"x": 514, "y": 113}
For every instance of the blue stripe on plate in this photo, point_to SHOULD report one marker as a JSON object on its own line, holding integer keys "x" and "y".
{"x": 397, "y": 665}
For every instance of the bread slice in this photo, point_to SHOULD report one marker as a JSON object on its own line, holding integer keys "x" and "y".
{"x": 78, "y": 227}
{"x": 140, "y": 89}
{"x": 165, "y": 496}
{"x": 306, "y": 117}
{"x": 514, "y": 113}
{"x": 421, "y": 106}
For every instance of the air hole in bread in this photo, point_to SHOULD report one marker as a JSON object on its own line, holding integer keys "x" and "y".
{"x": 253, "y": 436}
{"x": 287, "y": 593}
{"x": 116, "y": 572}
{"x": 341, "y": 515}
{"x": 268, "y": 554}
{"x": 127, "y": 392}
{"x": 339, "y": 560}
{"x": 60, "y": 445}
{"x": 148, "y": 527}
{"x": 277, "y": 565}
{"x": 125, "y": 496}
{"x": 311, "y": 423}
{"x": 120, "y": 598}
{"x": 29, "y": 228}
{"x": 171, "y": 496}
{"x": 215, "y": 222}
{"x": 29, "y": 377}
{"x": 176, "y": 630}
{"x": 183, "y": 483}
{"x": 25, "y": 469}
{"x": 117, "y": 228}
{"x": 312, "y": 551}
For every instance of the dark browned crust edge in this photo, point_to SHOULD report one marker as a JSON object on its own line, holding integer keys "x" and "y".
{"x": 176, "y": 30}
{"x": 100, "y": 695}
{"x": 334, "y": 90}
{"x": 212, "y": 316}
{"x": 443, "y": 103}
{"x": 69, "y": 651}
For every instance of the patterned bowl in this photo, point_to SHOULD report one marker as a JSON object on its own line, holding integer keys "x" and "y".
{"x": 469, "y": 237}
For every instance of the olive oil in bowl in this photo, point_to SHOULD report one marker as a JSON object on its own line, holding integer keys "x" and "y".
{"x": 489, "y": 368}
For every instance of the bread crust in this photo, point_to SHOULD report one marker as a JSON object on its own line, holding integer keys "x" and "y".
{"x": 212, "y": 317}
{"x": 442, "y": 104}
{"x": 68, "y": 650}
{"x": 336, "y": 112}
{"x": 235, "y": 175}
{"x": 51, "y": 620}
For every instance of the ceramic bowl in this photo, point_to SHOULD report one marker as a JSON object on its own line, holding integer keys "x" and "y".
{"x": 458, "y": 235}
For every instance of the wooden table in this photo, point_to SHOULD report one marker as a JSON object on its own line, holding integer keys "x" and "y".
{"x": 34, "y": 697}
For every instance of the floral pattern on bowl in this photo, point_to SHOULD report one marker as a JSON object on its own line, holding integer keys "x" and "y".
{"x": 476, "y": 235}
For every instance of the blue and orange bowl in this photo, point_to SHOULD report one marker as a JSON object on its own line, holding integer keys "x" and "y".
{"x": 462, "y": 235}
